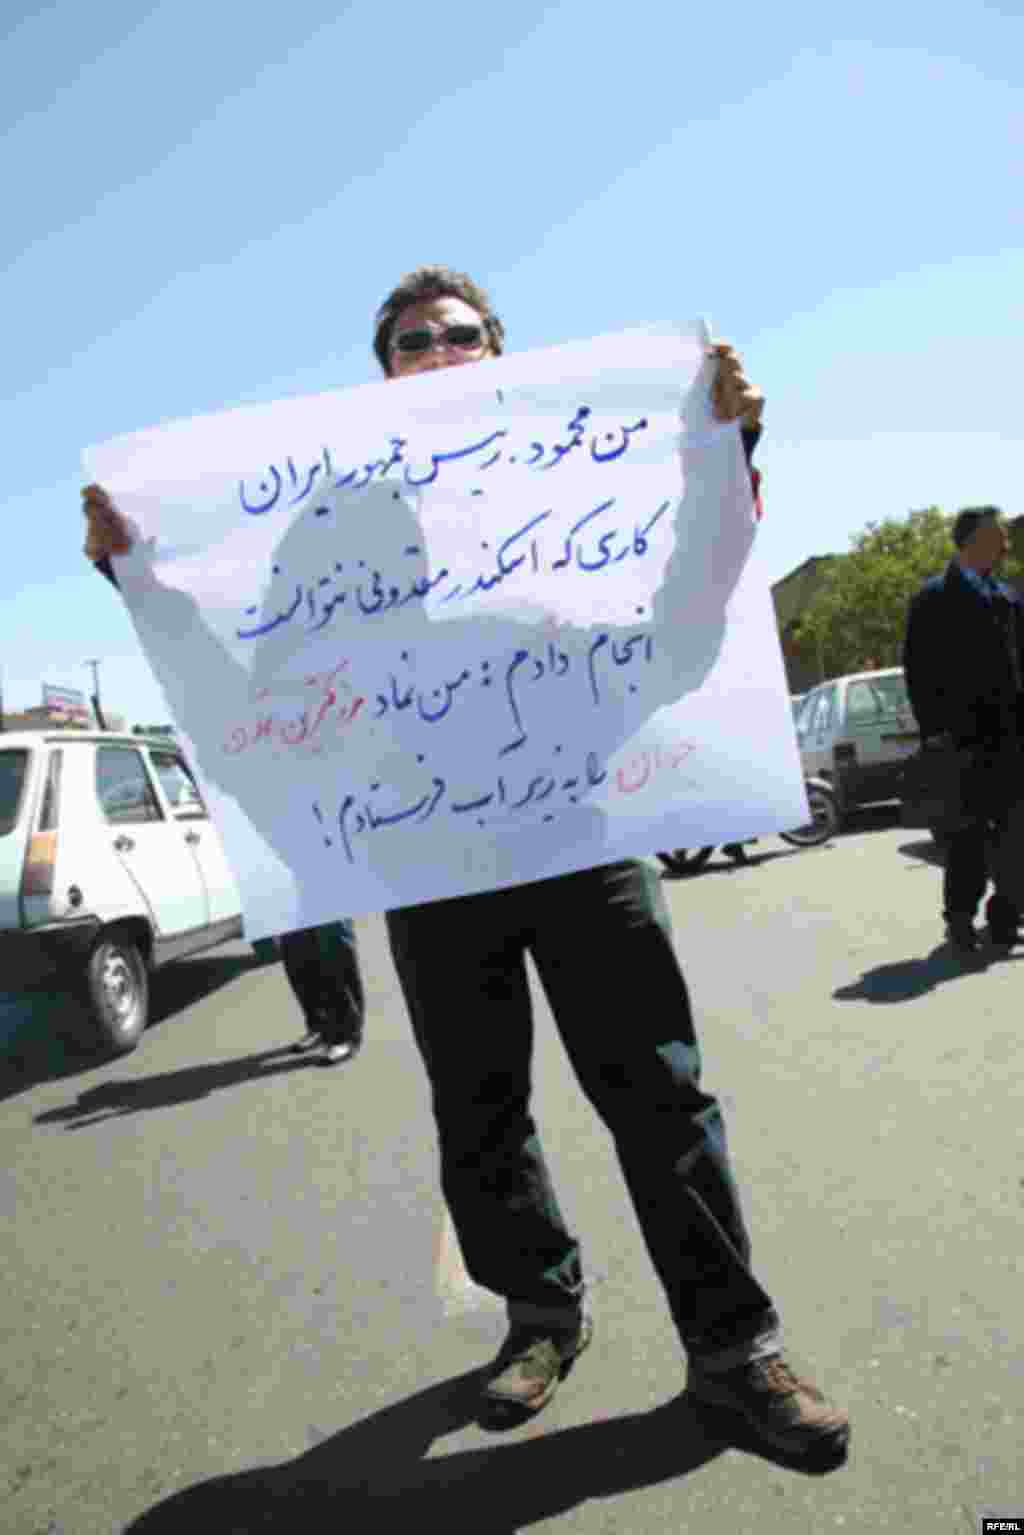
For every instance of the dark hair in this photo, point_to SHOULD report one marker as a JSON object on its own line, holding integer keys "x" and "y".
{"x": 970, "y": 519}
{"x": 428, "y": 282}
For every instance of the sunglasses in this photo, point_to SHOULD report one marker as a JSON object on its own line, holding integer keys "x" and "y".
{"x": 412, "y": 343}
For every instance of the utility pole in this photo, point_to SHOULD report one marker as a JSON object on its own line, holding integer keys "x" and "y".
{"x": 96, "y": 693}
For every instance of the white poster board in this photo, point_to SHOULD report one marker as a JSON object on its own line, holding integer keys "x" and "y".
{"x": 464, "y": 630}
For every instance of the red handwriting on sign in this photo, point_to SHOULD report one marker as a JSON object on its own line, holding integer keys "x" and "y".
{"x": 646, "y": 764}
{"x": 331, "y": 702}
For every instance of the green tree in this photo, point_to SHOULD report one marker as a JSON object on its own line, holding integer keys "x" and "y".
{"x": 857, "y": 619}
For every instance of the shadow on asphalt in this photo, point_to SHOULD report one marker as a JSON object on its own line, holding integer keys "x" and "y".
{"x": 869, "y": 818}
{"x": 909, "y": 978}
{"x": 51, "y": 1042}
{"x": 375, "y": 1475}
{"x": 925, "y": 852}
{"x": 721, "y": 863}
{"x": 133, "y": 1095}
{"x": 874, "y": 818}
{"x": 177, "y": 987}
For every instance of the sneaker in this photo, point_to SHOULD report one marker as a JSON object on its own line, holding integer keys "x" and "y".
{"x": 341, "y": 1050}
{"x": 785, "y": 1411}
{"x": 532, "y": 1362}
{"x": 309, "y": 1041}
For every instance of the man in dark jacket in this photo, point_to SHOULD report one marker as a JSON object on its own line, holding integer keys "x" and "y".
{"x": 964, "y": 661}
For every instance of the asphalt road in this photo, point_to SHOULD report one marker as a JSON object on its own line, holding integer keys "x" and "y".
{"x": 230, "y": 1301}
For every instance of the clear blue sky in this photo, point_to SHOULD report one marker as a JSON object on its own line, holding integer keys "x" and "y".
{"x": 205, "y": 202}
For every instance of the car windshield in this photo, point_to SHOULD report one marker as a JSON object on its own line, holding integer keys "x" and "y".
{"x": 13, "y": 767}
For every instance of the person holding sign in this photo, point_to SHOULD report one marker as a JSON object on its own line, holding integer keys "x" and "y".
{"x": 599, "y": 938}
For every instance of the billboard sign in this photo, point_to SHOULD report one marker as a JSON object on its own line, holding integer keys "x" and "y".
{"x": 66, "y": 701}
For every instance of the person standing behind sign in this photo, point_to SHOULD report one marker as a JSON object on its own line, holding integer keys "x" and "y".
{"x": 322, "y": 966}
{"x": 461, "y": 963}
{"x": 321, "y": 963}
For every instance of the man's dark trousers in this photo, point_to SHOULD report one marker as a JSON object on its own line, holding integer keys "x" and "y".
{"x": 602, "y": 946}
{"x": 322, "y": 966}
{"x": 989, "y": 842}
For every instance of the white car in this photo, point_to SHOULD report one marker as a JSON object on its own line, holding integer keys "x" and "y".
{"x": 856, "y": 733}
{"x": 109, "y": 866}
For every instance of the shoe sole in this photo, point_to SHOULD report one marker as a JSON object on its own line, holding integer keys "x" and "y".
{"x": 500, "y": 1406}
{"x": 830, "y": 1444}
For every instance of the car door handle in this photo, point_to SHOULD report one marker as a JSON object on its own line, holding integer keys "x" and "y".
{"x": 192, "y": 837}
{"x": 123, "y": 844}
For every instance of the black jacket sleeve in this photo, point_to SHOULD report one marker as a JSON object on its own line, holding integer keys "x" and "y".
{"x": 923, "y": 663}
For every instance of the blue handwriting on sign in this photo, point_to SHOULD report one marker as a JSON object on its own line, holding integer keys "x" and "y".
{"x": 604, "y": 448}
{"x": 432, "y": 704}
{"x": 355, "y": 819}
{"x": 559, "y": 664}
{"x": 374, "y": 595}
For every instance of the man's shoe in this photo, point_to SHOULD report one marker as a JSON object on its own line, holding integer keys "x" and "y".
{"x": 962, "y": 935}
{"x": 1002, "y": 924}
{"x": 532, "y": 1362}
{"x": 309, "y": 1041}
{"x": 1003, "y": 941}
{"x": 786, "y": 1412}
{"x": 341, "y": 1050}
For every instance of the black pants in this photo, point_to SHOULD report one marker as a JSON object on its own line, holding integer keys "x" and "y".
{"x": 322, "y": 965}
{"x": 602, "y": 946}
{"x": 971, "y": 857}
{"x": 989, "y": 844}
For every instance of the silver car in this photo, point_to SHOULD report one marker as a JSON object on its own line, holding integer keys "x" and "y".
{"x": 856, "y": 733}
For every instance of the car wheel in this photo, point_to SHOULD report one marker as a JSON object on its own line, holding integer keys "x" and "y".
{"x": 118, "y": 993}
{"x": 686, "y": 860}
{"x": 824, "y": 822}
